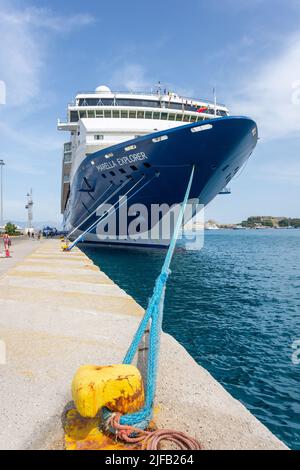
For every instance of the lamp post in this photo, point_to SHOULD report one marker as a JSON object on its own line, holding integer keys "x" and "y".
{"x": 1, "y": 190}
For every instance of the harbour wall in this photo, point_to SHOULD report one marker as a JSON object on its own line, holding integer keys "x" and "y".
{"x": 60, "y": 311}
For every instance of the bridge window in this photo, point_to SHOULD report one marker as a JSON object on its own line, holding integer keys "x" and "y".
{"x": 174, "y": 105}
{"x": 133, "y": 114}
{"x": 98, "y": 136}
{"x": 68, "y": 157}
{"x": 74, "y": 116}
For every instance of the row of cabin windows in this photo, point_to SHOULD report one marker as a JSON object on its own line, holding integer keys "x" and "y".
{"x": 108, "y": 113}
{"x": 67, "y": 147}
{"x": 184, "y": 106}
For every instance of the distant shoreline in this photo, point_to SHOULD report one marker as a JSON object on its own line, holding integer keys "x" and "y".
{"x": 257, "y": 223}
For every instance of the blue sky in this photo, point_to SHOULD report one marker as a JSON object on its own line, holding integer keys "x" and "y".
{"x": 249, "y": 50}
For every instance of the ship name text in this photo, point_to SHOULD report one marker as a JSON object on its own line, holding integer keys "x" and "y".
{"x": 126, "y": 160}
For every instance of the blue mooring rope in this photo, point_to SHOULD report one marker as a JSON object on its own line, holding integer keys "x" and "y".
{"x": 154, "y": 312}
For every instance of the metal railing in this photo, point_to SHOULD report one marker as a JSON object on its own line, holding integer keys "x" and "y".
{"x": 148, "y": 93}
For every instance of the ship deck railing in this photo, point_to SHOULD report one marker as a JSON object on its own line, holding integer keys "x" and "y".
{"x": 149, "y": 93}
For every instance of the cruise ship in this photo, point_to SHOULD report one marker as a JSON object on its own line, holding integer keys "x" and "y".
{"x": 143, "y": 145}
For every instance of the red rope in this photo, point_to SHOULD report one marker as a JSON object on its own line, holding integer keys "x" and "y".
{"x": 150, "y": 440}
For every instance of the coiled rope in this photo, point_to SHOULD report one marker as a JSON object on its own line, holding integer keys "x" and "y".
{"x": 131, "y": 427}
{"x": 150, "y": 440}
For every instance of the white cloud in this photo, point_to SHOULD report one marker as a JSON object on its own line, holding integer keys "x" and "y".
{"x": 22, "y": 52}
{"x": 130, "y": 77}
{"x": 135, "y": 77}
{"x": 20, "y": 61}
{"x": 267, "y": 94}
{"x": 45, "y": 18}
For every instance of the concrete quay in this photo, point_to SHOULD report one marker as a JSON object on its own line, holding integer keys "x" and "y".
{"x": 59, "y": 311}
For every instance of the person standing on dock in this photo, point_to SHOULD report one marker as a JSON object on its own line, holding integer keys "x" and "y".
{"x": 7, "y": 244}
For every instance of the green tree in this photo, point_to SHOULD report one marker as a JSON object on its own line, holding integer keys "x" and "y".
{"x": 284, "y": 222}
{"x": 295, "y": 223}
{"x": 11, "y": 229}
{"x": 267, "y": 223}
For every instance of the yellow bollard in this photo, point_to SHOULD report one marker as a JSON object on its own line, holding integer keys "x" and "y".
{"x": 64, "y": 245}
{"x": 118, "y": 387}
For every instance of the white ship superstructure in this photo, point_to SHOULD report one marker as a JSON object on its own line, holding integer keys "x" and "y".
{"x": 100, "y": 119}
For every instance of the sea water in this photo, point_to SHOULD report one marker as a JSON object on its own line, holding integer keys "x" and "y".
{"x": 235, "y": 306}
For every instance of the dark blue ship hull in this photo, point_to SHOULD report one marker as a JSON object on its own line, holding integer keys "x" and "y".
{"x": 157, "y": 171}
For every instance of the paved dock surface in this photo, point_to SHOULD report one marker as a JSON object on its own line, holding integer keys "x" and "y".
{"x": 59, "y": 311}
{"x": 21, "y": 246}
